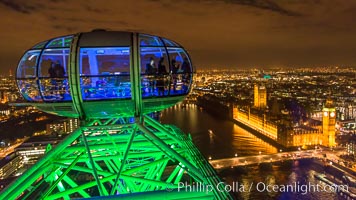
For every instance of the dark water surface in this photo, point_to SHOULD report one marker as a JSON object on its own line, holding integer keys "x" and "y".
{"x": 215, "y": 137}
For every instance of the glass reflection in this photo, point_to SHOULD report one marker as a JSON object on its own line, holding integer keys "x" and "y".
{"x": 53, "y": 68}
{"x": 105, "y": 87}
{"x": 29, "y": 90}
{"x": 105, "y": 73}
{"x": 27, "y": 65}
{"x": 60, "y": 42}
{"x": 155, "y": 78}
{"x": 181, "y": 70}
{"x": 148, "y": 40}
{"x": 55, "y": 89}
{"x": 56, "y": 59}
{"x": 40, "y": 45}
{"x": 169, "y": 43}
{"x": 163, "y": 77}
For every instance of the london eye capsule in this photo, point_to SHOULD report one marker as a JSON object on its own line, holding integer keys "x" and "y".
{"x": 102, "y": 74}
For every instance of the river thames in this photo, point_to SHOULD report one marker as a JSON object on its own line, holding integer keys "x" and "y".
{"x": 215, "y": 137}
{"x": 218, "y": 138}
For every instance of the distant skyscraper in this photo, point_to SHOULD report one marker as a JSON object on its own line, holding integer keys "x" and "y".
{"x": 260, "y": 96}
{"x": 351, "y": 147}
{"x": 64, "y": 126}
{"x": 329, "y": 116}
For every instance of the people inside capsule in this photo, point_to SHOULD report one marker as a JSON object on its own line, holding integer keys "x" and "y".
{"x": 161, "y": 83}
{"x": 186, "y": 66}
{"x": 104, "y": 72}
{"x": 174, "y": 71}
{"x": 56, "y": 73}
{"x": 150, "y": 72}
{"x": 186, "y": 73}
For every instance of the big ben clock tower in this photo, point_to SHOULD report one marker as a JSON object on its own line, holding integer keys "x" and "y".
{"x": 329, "y": 116}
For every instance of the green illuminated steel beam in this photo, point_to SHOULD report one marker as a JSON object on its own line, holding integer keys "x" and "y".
{"x": 123, "y": 161}
{"x": 92, "y": 165}
{"x": 111, "y": 157}
{"x": 25, "y": 180}
{"x": 131, "y": 169}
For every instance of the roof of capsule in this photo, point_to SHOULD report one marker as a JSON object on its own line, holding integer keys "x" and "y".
{"x": 103, "y": 38}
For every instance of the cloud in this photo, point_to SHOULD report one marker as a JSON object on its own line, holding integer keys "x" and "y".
{"x": 94, "y": 9}
{"x": 260, "y": 4}
{"x": 264, "y": 4}
{"x": 213, "y": 31}
{"x": 19, "y": 6}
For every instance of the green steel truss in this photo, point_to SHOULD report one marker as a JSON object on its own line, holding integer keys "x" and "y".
{"x": 117, "y": 159}
{"x": 113, "y": 158}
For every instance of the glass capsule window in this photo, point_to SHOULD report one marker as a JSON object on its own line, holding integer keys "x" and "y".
{"x": 155, "y": 78}
{"x": 55, "y": 89}
{"x": 181, "y": 70}
{"x": 53, "y": 75}
{"x": 180, "y": 59}
{"x": 60, "y": 42}
{"x": 54, "y": 63}
{"x": 29, "y": 90}
{"x": 105, "y": 73}
{"x": 26, "y": 76}
{"x": 169, "y": 43}
{"x": 27, "y": 65}
{"x": 40, "y": 45}
{"x": 149, "y": 40}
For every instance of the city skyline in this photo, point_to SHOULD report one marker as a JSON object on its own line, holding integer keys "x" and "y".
{"x": 216, "y": 33}
{"x": 242, "y": 138}
{"x": 257, "y": 94}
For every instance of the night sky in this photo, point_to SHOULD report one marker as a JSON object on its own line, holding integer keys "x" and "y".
{"x": 217, "y": 33}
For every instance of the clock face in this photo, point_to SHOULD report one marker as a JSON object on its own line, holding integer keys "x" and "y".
{"x": 325, "y": 114}
{"x": 332, "y": 114}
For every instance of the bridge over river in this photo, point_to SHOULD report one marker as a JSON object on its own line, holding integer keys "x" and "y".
{"x": 270, "y": 158}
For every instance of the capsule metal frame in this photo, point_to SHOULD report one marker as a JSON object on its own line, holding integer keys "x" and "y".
{"x": 123, "y": 89}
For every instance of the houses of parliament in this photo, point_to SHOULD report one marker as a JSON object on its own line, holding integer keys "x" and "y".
{"x": 280, "y": 128}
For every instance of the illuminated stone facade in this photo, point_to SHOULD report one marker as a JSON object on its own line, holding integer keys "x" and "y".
{"x": 287, "y": 135}
{"x": 260, "y": 96}
{"x": 256, "y": 122}
{"x": 329, "y": 118}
